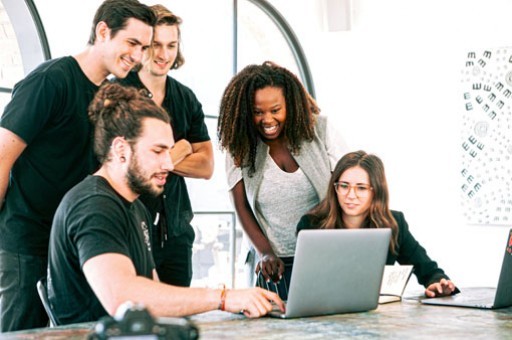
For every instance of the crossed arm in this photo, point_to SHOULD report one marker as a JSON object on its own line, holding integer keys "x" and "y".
{"x": 194, "y": 160}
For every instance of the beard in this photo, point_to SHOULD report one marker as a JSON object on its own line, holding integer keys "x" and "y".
{"x": 138, "y": 182}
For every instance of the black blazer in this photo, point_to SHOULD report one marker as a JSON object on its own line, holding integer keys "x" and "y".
{"x": 408, "y": 251}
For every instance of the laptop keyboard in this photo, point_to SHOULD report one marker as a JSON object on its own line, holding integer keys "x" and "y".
{"x": 476, "y": 301}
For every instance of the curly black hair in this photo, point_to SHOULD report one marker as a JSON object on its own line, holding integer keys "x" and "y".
{"x": 236, "y": 131}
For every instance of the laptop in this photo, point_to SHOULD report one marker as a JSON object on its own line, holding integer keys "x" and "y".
{"x": 484, "y": 298}
{"x": 336, "y": 271}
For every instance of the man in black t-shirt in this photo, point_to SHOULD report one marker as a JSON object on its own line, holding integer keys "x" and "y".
{"x": 192, "y": 155}
{"x": 45, "y": 143}
{"x": 99, "y": 255}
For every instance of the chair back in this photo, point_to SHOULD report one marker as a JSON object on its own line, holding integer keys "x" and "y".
{"x": 43, "y": 294}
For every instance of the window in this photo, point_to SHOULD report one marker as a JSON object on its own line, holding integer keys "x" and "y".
{"x": 11, "y": 67}
{"x": 211, "y": 56}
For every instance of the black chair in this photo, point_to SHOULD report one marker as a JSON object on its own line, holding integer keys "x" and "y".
{"x": 43, "y": 294}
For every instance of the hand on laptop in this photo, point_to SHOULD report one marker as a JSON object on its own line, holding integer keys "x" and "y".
{"x": 252, "y": 302}
{"x": 271, "y": 267}
{"x": 441, "y": 288}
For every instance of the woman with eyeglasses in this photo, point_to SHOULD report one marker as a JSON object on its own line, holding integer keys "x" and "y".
{"x": 357, "y": 197}
{"x": 280, "y": 155}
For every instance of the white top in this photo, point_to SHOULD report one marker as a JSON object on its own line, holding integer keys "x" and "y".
{"x": 281, "y": 201}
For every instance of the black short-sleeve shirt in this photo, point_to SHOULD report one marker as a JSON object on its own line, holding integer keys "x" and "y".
{"x": 48, "y": 110}
{"x": 93, "y": 220}
{"x": 187, "y": 121}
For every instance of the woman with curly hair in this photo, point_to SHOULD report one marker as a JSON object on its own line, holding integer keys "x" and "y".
{"x": 280, "y": 155}
{"x": 358, "y": 197}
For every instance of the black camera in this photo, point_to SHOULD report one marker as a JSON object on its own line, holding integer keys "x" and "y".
{"x": 134, "y": 321}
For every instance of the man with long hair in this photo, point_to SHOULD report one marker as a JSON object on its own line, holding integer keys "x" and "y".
{"x": 173, "y": 235}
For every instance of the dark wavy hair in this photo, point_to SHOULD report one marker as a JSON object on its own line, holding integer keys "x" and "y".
{"x": 118, "y": 111}
{"x": 115, "y": 13}
{"x": 328, "y": 214}
{"x": 168, "y": 18}
{"x": 235, "y": 129}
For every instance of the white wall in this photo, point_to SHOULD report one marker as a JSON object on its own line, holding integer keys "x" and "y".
{"x": 392, "y": 85}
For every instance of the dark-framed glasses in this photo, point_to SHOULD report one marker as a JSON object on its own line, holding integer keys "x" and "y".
{"x": 360, "y": 190}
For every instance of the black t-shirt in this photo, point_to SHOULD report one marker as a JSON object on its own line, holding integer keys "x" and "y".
{"x": 93, "y": 220}
{"x": 187, "y": 120}
{"x": 48, "y": 110}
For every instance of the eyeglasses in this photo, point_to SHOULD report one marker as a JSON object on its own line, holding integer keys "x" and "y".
{"x": 361, "y": 190}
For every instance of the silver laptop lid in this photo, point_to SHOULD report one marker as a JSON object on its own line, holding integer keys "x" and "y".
{"x": 487, "y": 298}
{"x": 503, "y": 296}
{"x": 337, "y": 271}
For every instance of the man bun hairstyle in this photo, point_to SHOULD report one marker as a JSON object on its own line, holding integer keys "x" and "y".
{"x": 117, "y": 111}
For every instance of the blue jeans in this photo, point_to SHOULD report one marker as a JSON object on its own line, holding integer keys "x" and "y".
{"x": 20, "y": 305}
